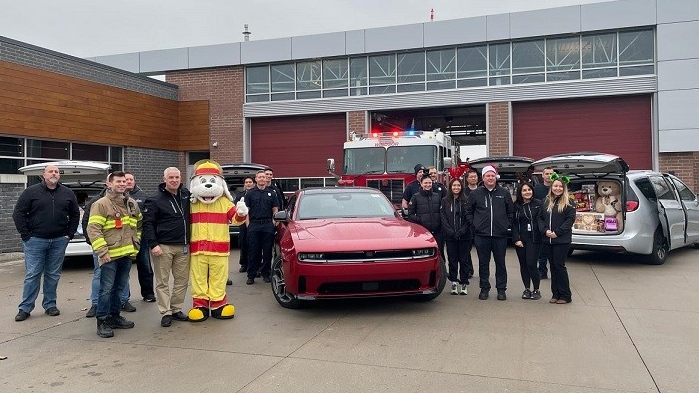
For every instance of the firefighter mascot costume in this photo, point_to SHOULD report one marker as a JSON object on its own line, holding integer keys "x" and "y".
{"x": 212, "y": 210}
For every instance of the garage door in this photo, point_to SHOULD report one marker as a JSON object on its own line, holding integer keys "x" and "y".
{"x": 614, "y": 125}
{"x": 298, "y": 146}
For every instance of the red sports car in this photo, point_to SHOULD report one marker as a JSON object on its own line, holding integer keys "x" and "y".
{"x": 350, "y": 242}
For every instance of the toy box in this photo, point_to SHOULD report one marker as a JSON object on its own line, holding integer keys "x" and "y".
{"x": 589, "y": 222}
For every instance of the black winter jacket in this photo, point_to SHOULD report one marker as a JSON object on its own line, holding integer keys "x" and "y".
{"x": 528, "y": 222}
{"x": 139, "y": 196}
{"x": 86, "y": 213}
{"x": 424, "y": 209}
{"x": 490, "y": 213}
{"x": 560, "y": 223}
{"x": 166, "y": 217}
{"x": 45, "y": 213}
{"x": 453, "y": 214}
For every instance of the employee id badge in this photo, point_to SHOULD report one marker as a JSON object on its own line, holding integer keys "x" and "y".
{"x": 185, "y": 249}
{"x": 529, "y": 227}
{"x": 117, "y": 223}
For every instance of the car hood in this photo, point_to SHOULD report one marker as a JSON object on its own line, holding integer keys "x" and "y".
{"x": 351, "y": 234}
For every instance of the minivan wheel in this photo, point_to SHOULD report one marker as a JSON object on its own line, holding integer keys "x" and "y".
{"x": 660, "y": 249}
{"x": 285, "y": 299}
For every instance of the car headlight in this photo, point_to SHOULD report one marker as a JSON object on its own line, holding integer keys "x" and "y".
{"x": 423, "y": 252}
{"x": 311, "y": 256}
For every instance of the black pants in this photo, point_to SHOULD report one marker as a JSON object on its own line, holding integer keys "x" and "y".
{"x": 543, "y": 258}
{"x": 243, "y": 244}
{"x": 260, "y": 243}
{"x": 486, "y": 245}
{"x": 458, "y": 252}
{"x": 440, "y": 242}
{"x": 145, "y": 272}
{"x": 560, "y": 285}
{"x": 528, "y": 256}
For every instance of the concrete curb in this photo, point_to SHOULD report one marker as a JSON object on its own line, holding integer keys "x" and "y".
{"x": 6, "y": 257}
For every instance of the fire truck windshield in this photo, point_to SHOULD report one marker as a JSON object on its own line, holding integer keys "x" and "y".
{"x": 364, "y": 160}
{"x": 402, "y": 159}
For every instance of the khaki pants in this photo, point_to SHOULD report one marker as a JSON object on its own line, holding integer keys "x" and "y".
{"x": 173, "y": 260}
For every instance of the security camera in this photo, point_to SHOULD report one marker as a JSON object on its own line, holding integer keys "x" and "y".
{"x": 215, "y": 144}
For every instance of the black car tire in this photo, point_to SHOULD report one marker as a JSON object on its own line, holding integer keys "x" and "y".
{"x": 285, "y": 299}
{"x": 660, "y": 249}
{"x": 440, "y": 285}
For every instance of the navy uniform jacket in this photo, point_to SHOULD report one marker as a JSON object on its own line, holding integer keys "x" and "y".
{"x": 260, "y": 203}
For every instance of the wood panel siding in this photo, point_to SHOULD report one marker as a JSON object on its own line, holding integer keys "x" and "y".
{"x": 42, "y": 104}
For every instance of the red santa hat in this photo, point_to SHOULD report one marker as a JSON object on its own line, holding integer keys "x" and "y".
{"x": 490, "y": 168}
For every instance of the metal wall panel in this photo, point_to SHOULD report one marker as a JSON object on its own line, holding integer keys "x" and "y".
{"x": 572, "y": 89}
{"x": 677, "y": 109}
{"x": 671, "y": 11}
{"x": 354, "y": 42}
{"x": 168, "y": 59}
{"x": 265, "y": 51}
{"x": 678, "y": 140}
{"x": 678, "y": 41}
{"x": 678, "y": 74}
{"x": 318, "y": 45}
{"x": 455, "y": 32}
{"x": 214, "y": 55}
{"x": 497, "y": 27}
{"x": 617, "y": 14}
{"x": 127, "y": 62}
{"x": 550, "y": 21}
{"x": 394, "y": 38}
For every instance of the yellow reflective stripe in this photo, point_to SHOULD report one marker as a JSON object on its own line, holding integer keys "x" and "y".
{"x": 98, "y": 243}
{"x": 95, "y": 219}
{"x": 122, "y": 251}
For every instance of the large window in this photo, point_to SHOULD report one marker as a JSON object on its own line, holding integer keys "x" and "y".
{"x": 549, "y": 59}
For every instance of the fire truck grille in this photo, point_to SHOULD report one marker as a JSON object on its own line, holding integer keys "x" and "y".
{"x": 392, "y": 188}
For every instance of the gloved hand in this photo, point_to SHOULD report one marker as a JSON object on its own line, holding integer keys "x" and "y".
{"x": 240, "y": 208}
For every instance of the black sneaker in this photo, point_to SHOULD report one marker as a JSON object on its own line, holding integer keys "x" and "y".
{"x": 53, "y": 311}
{"x": 243, "y": 269}
{"x": 180, "y": 316}
{"x": 92, "y": 311}
{"x": 21, "y": 316}
{"x": 266, "y": 279}
{"x": 229, "y": 282}
{"x": 128, "y": 307}
{"x": 536, "y": 295}
{"x": 501, "y": 294}
{"x": 149, "y": 299}
{"x": 119, "y": 322}
{"x": 249, "y": 281}
{"x": 527, "y": 294}
{"x": 166, "y": 321}
{"x": 103, "y": 329}
{"x": 483, "y": 295}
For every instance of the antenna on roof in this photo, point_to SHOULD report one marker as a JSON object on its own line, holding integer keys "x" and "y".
{"x": 246, "y": 33}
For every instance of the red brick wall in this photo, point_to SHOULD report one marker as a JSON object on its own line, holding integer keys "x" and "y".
{"x": 356, "y": 122}
{"x": 498, "y": 128}
{"x": 224, "y": 88}
{"x": 684, "y": 165}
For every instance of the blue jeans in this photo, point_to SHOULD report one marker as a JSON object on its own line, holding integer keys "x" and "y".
{"x": 95, "y": 291}
{"x": 113, "y": 279}
{"x": 42, "y": 256}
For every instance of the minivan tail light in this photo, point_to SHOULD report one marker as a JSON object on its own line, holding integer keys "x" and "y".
{"x": 631, "y": 206}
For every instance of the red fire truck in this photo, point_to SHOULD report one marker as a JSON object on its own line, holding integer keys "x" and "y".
{"x": 385, "y": 161}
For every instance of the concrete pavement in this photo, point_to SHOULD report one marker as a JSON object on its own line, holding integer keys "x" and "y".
{"x": 630, "y": 328}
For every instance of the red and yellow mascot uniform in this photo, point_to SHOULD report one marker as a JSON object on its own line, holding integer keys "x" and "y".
{"x": 211, "y": 211}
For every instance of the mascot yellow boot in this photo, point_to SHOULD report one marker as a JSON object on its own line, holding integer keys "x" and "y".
{"x": 212, "y": 210}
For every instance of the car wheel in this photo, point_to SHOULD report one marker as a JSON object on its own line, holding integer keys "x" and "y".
{"x": 284, "y": 298}
{"x": 660, "y": 249}
{"x": 440, "y": 285}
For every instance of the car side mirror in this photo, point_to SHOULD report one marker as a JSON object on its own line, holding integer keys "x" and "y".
{"x": 281, "y": 216}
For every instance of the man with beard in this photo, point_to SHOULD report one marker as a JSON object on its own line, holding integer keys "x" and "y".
{"x": 46, "y": 216}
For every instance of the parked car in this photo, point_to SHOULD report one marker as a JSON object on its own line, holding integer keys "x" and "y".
{"x": 350, "y": 242}
{"x": 234, "y": 174}
{"x": 86, "y": 179}
{"x": 656, "y": 212}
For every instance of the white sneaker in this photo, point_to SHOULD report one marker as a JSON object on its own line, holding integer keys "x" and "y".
{"x": 464, "y": 289}
{"x": 454, "y": 288}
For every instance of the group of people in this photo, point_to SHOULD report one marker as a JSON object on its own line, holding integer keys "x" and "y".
{"x": 122, "y": 224}
{"x": 461, "y": 216}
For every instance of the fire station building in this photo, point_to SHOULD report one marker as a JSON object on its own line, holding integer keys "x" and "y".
{"x": 619, "y": 77}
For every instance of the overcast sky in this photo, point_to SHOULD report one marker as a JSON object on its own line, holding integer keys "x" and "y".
{"x": 86, "y": 28}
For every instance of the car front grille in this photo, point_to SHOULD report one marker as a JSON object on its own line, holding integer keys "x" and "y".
{"x": 339, "y": 288}
{"x": 392, "y": 188}
{"x": 368, "y": 256}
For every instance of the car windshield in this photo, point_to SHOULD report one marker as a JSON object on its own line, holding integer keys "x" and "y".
{"x": 344, "y": 205}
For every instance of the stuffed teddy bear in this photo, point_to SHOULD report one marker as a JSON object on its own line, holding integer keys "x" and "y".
{"x": 609, "y": 203}
{"x": 211, "y": 211}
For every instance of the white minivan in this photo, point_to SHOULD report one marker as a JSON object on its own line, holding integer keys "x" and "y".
{"x": 86, "y": 179}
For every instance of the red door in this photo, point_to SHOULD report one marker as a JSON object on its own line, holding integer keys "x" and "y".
{"x": 616, "y": 125}
{"x": 298, "y": 146}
